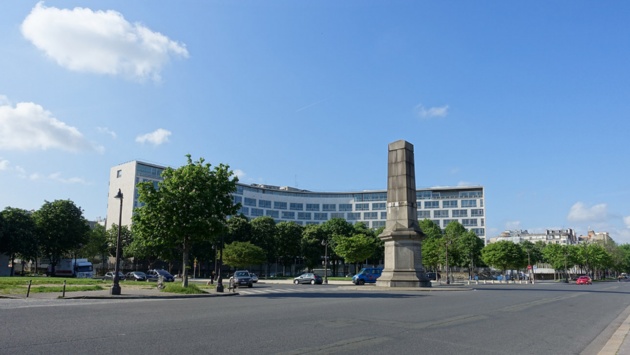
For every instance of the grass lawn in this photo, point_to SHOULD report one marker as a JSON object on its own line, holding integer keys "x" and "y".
{"x": 19, "y": 285}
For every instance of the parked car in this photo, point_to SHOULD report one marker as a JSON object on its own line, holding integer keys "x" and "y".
{"x": 434, "y": 276}
{"x": 367, "y": 275}
{"x": 254, "y": 277}
{"x": 153, "y": 275}
{"x": 242, "y": 278}
{"x": 136, "y": 276}
{"x": 110, "y": 275}
{"x": 308, "y": 278}
{"x": 584, "y": 280}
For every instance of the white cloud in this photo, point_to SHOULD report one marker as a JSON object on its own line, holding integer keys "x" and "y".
{"x": 107, "y": 131}
{"x": 156, "y": 137}
{"x": 626, "y": 221}
{"x": 101, "y": 42}
{"x": 27, "y": 126}
{"x": 240, "y": 174}
{"x": 513, "y": 225}
{"x": 4, "y": 164}
{"x": 57, "y": 177}
{"x": 432, "y": 111}
{"x": 581, "y": 213}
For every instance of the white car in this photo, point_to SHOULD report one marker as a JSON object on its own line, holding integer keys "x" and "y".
{"x": 110, "y": 275}
{"x": 254, "y": 277}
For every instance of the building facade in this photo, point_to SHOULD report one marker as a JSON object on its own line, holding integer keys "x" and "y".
{"x": 602, "y": 238}
{"x": 550, "y": 236}
{"x": 286, "y": 204}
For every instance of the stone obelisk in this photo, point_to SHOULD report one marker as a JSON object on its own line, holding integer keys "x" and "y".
{"x": 402, "y": 234}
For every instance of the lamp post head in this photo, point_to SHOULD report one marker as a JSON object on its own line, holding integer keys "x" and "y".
{"x": 119, "y": 195}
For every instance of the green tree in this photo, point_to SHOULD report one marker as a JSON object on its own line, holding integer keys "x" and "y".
{"x": 355, "y": 249}
{"x": 470, "y": 246}
{"x": 625, "y": 258}
{"x": 335, "y": 228}
{"x": 593, "y": 257}
{"x": 125, "y": 241}
{"x": 430, "y": 228}
{"x": 288, "y": 240}
{"x": 311, "y": 245}
{"x": 242, "y": 254}
{"x": 561, "y": 257}
{"x": 432, "y": 245}
{"x": 96, "y": 246}
{"x": 502, "y": 255}
{"x": 239, "y": 229}
{"x": 264, "y": 233}
{"x": 432, "y": 253}
{"x": 190, "y": 204}
{"x": 17, "y": 235}
{"x": 379, "y": 245}
{"x": 61, "y": 229}
{"x": 453, "y": 232}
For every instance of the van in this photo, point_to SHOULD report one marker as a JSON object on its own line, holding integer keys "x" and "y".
{"x": 367, "y": 275}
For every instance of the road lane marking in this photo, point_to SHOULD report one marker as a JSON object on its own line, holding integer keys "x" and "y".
{"x": 523, "y": 306}
{"x": 344, "y": 346}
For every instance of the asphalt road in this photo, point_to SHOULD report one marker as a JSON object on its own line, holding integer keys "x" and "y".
{"x": 312, "y": 319}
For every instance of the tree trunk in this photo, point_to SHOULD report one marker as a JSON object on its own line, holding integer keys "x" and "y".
{"x": 185, "y": 269}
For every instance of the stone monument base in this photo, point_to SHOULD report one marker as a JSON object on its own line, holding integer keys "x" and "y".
{"x": 403, "y": 267}
{"x": 401, "y": 278}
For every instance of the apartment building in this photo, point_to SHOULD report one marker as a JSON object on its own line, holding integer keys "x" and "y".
{"x": 282, "y": 203}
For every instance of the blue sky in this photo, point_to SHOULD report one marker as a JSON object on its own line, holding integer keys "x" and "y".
{"x": 530, "y": 99}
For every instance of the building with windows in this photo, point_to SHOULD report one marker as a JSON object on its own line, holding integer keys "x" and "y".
{"x": 602, "y": 238}
{"x": 550, "y": 236}
{"x": 288, "y": 204}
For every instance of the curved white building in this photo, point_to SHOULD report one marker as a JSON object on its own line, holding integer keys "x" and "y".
{"x": 283, "y": 204}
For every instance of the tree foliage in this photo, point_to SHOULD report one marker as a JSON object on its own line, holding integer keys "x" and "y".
{"x": 17, "y": 234}
{"x": 502, "y": 255}
{"x": 263, "y": 234}
{"x": 356, "y": 248}
{"x": 430, "y": 228}
{"x": 61, "y": 229}
{"x": 311, "y": 245}
{"x": 238, "y": 229}
{"x": 242, "y": 254}
{"x": 125, "y": 241}
{"x": 190, "y": 204}
{"x": 288, "y": 237}
{"x": 432, "y": 245}
{"x": 97, "y": 244}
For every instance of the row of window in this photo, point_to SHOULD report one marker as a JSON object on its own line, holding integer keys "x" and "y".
{"x": 345, "y": 207}
{"x": 304, "y": 218}
{"x": 149, "y": 171}
{"x": 349, "y": 216}
{"x": 363, "y": 197}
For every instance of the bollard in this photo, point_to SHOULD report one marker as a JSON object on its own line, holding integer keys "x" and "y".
{"x": 63, "y": 295}
{"x": 28, "y": 290}
{"x": 219, "y": 284}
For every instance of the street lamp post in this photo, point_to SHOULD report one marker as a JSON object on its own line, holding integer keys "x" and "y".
{"x": 566, "y": 274}
{"x": 116, "y": 287}
{"x": 448, "y": 280}
{"x": 220, "y": 278}
{"x": 325, "y": 244}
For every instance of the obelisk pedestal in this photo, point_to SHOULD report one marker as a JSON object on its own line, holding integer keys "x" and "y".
{"x": 402, "y": 234}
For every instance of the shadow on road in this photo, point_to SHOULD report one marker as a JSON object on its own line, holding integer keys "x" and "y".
{"x": 358, "y": 294}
